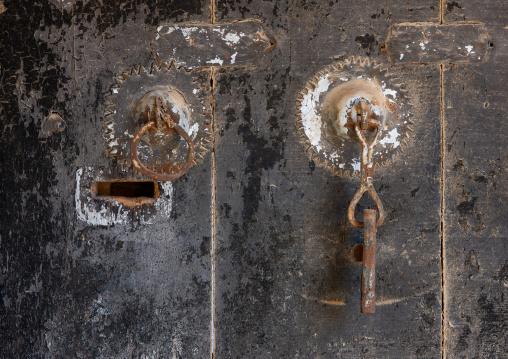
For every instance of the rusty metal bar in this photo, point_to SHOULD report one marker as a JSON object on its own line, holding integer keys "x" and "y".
{"x": 369, "y": 262}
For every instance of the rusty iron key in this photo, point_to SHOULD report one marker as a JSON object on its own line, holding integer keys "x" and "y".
{"x": 363, "y": 121}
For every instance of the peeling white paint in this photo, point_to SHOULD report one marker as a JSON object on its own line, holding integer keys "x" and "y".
{"x": 311, "y": 121}
{"x": 357, "y": 165}
{"x": 194, "y": 129}
{"x": 233, "y": 58}
{"x": 88, "y": 211}
{"x": 217, "y": 60}
{"x": 187, "y": 31}
{"x": 232, "y": 38}
{"x": 391, "y": 137}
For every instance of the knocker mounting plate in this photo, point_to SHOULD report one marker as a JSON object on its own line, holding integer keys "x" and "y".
{"x": 158, "y": 120}
{"x": 327, "y": 100}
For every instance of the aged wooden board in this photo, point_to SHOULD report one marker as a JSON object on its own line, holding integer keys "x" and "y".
{"x": 476, "y": 201}
{"x": 84, "y": 277}
{"x": 287, "y": 285}
{"x": 414, "y": 43}
{"x": 77, "y": 283}
{"x": 190, "y": 45}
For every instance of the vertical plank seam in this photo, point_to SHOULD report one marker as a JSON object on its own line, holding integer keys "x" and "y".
{"x": 212, "y": 11}
{"x": 214, "y": 181}
{"x": 214, "y": 198}
{"x": 443, "y": 263}
{"x": 441, "y": 11}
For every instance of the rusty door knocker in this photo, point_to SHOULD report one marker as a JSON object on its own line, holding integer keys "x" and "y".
{"x": 356, "y": 100}
{"x": 362, "y": 120}
{"x": 159, "y": 118}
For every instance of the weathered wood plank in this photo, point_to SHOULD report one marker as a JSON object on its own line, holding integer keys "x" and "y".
{"x": 476, "y": 201}
{"x": 415, "y": 43}
{"x": 78, "y": 287}
{"x": 236, "y": 44}
{"x": 286, "y": 283}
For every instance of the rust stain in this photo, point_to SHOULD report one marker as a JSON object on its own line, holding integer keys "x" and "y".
{"x": 128, "y": 201}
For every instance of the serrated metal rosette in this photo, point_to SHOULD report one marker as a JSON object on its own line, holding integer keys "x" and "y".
{"x": 326, "y": 102}
{"x": 187, "y": 96}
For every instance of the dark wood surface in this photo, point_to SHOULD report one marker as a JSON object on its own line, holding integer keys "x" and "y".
{"x": 72, "y": 288}
{"x": 248, "y": 255}
{"x": 476, "y": 197}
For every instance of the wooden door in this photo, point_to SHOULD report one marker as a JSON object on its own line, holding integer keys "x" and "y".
{"x": 249, "y": 254}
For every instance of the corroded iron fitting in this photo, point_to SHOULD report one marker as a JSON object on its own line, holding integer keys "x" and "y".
{"x": 366, "y": 124}
{"x": 159, "y": 119}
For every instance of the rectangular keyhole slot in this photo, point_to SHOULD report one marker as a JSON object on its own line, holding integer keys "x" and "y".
{"x": 132, "y": 192}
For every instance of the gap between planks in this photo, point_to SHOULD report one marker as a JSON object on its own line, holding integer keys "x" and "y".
{"x": 443, "y": 254}
{"x": 214, "y": 217}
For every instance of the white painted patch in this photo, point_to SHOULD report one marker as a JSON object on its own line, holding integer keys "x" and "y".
{"x": 401, "y": 56}
{"x": 357, "y": 165}
{"x": 88, "y": 211}
{"x": 311, "y": 121}
{"x": 217, "y": 60}
{"x": 232, "y": 38}
{"x": 233, "y": 58}
{"x": 195, "y": 91}
{"x": 115, "y": 90}
{"x": 194, "y": 129}
{"x": 187, "y": 31}
{"x": 469, "y": 48}
{"x": 391, "y": 137}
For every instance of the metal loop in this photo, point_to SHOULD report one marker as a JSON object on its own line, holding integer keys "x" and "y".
{"x": 354, "y": 202}
{"x": 162, "y": 176}
{"x": 367, "y": 171}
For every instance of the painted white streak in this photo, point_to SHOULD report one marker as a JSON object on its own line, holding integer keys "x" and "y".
{"x": 311, "y": 120}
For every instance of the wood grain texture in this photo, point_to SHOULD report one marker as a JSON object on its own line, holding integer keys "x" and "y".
{"x": 476, "y": 210}
{"x": 286, "y": 283}
{"x": 416, "y": 43}
{"x": 71, "y": 289}
{"x": 242, "y": 43}
{"x": 476, "y": 237}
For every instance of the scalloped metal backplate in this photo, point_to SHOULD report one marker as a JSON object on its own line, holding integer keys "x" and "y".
{"x": 318, "y": 108}
{"x": 188, "y": 95}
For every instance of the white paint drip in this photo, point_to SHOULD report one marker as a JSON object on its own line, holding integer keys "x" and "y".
{"x": 391, "y": 137}
{"x": 311, "y": 121}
